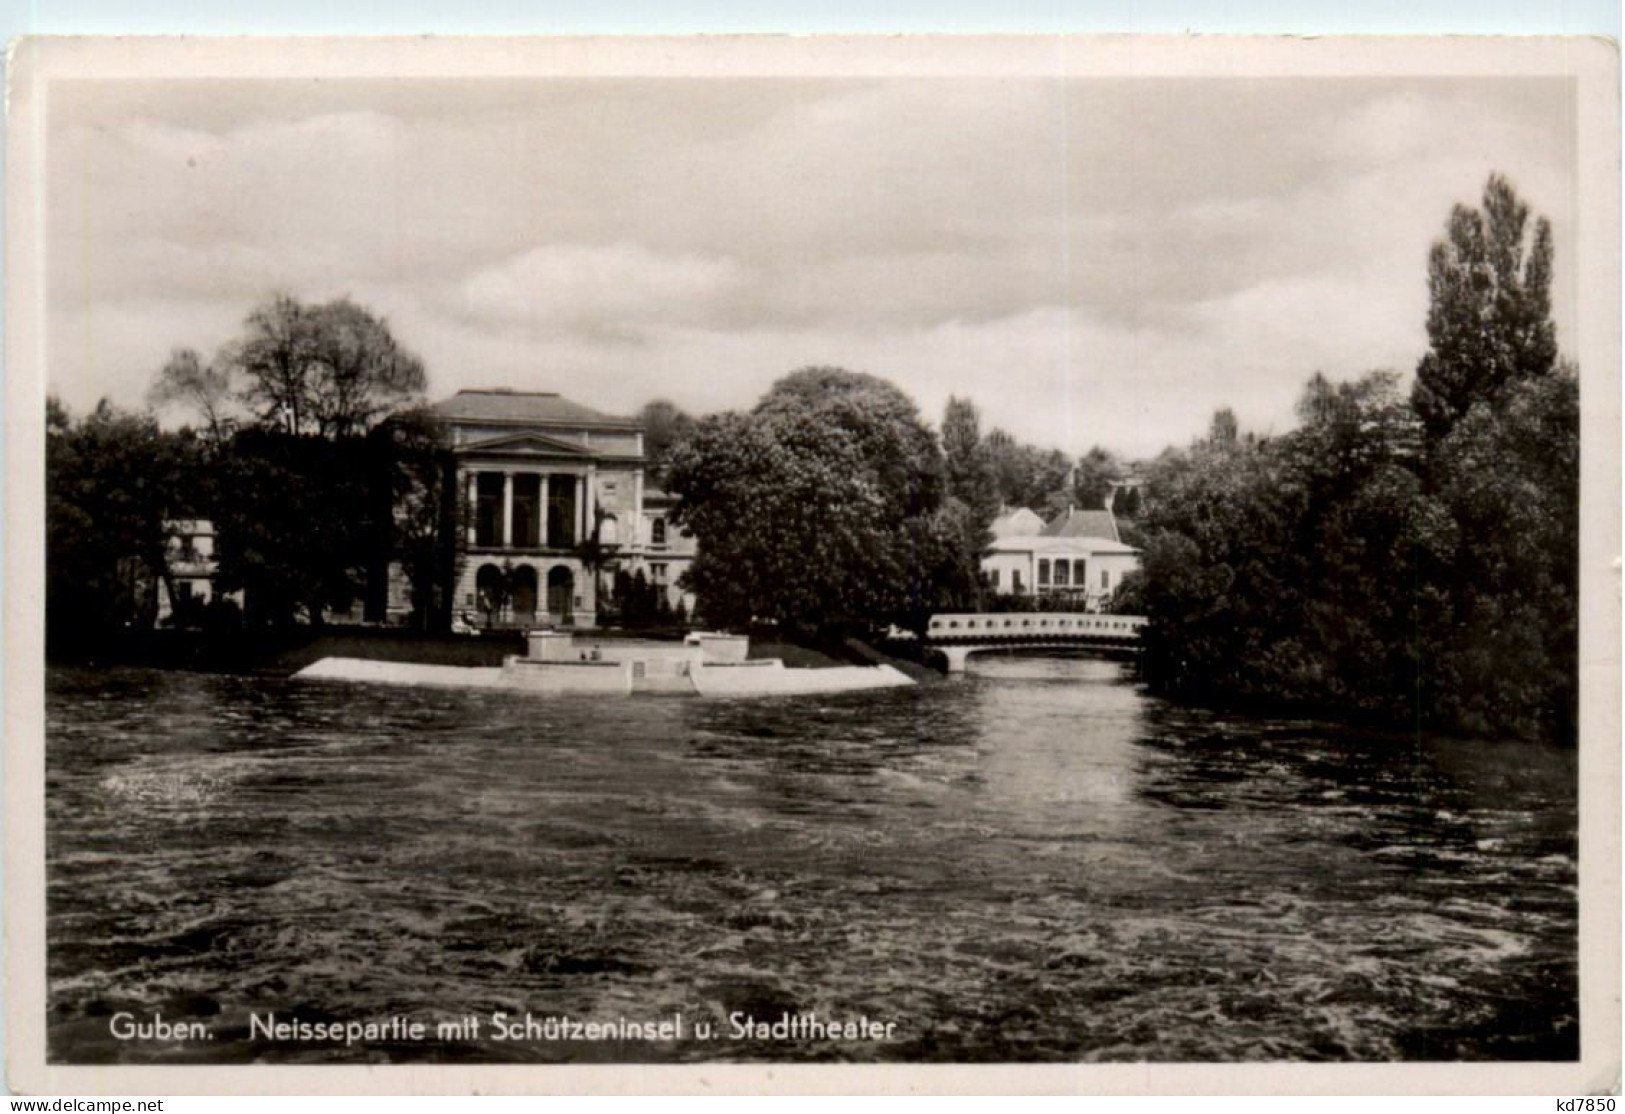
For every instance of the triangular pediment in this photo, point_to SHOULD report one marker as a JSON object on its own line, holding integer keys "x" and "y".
{"x": 525, "y": 444}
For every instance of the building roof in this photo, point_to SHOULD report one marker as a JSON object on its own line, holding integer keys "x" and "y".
{"x": 1084, "y": 524}
{"x": 526, "y": 408}
{"x": 1061, "y": 546}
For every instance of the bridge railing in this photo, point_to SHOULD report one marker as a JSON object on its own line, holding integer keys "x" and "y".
{"x": 1033, "y": 624}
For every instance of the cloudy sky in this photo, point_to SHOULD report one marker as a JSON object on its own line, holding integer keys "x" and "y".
{"x": 1092, "y": 261}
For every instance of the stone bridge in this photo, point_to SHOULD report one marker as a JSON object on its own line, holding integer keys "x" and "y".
{"x": 960, "y": 636}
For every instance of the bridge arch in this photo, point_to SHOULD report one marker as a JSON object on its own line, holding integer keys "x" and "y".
{"x": 958, "y": 636}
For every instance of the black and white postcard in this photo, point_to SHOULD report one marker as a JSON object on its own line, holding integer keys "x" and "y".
{"x": 813, "y": 564}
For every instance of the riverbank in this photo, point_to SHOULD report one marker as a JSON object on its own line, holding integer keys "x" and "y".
{"x": 586, "y": 662}
{"x": 285, "y": 652}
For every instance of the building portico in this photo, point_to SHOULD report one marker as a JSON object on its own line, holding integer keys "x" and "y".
{"x": 530, "y": 506}
{"x": 539, "y": 480}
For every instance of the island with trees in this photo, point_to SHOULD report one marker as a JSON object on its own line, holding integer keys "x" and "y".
{"x": 1407, "y": 554}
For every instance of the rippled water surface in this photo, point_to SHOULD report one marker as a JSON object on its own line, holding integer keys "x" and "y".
{"x": 1034, "y": 862}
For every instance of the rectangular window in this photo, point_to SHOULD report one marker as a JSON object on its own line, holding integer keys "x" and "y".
{"x": 995, "y": 579}
{"x": 1104, "y": 573}
{"x": 1043, "y": 573}
{"x": 657, "y": 531}
{"x": 1015, "y": 581}
{"x": 488, "y": 509}
{"x": 1060, "y": 574}
{"x": 527, "y": 505}
{"x": 561, "y": 511}
{"x": 1078, "y": 577}
{"x": 657, "y": 572}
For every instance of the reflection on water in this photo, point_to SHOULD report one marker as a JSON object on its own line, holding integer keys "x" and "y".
{"x": 1032, "y": 862}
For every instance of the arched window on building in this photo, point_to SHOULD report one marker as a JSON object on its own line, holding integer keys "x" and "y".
{"x": 491, "y": 591}
{"x": 522, "y": 593}
{"x": 561, "y": 593}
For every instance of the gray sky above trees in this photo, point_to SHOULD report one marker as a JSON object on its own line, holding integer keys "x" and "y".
{"x": 1094, "y": 261}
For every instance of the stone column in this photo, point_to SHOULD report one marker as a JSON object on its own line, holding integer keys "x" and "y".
{"x": 473, "y": 505}
{"x": 544, "y": 488}
{"x": 587, "y": 614}
{"x": 507, "y": 510}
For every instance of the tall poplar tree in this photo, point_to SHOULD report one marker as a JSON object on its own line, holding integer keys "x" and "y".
{"x": 1489, "y": 319}
{"x": 969, "y": 466}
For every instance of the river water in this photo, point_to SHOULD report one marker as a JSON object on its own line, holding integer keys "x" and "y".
{"x": 1036, "y": 861}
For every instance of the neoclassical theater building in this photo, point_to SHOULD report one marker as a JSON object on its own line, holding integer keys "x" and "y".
{"x": 538, "y": 473}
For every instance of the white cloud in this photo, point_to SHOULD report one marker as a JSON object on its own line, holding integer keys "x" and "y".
{"x": 598, "y": 287}
{"x": 1097, "y": 261}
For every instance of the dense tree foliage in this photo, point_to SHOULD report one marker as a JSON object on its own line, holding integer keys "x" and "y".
{"x": 427, "y": 510}
{"x": 1509, "y": 477}
{"x": 1282, "y": 569}
{"x": 300, "y": 523}
{"x": 951, "y": 542}
{"x": 1414, "y": 558}
{"x": 1026, "y": 475}
{"x": 310, "y": 490}
{"x": 115, "y": 486}
{"x": 899, "y": 451}
{"x": 1093, "y": 476}
{"x": 816, "y": 509}
{"x": 310, "y": 495}
{"x": 968, "y": 461}
{"x": 635, "y": 601}
{"x": 664, "y": 425}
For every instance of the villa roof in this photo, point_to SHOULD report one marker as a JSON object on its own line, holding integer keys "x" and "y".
{"x": 526, "y": 408}
{"x": 1084, "y": 524}
{"x": 1066, "y": 546}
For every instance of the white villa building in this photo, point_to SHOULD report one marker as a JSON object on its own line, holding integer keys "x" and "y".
{"x": 190, "y": 558}
{"x": 1079, "y": 556}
